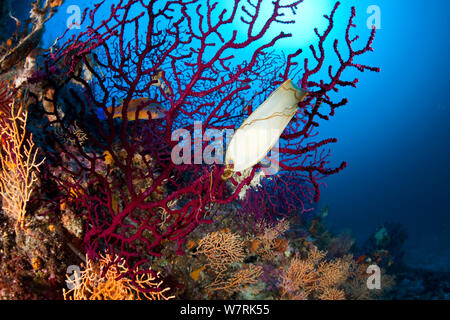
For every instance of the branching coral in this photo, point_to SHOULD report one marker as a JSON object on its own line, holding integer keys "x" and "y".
{"x": 190, "y": 71}
{"x": 332, "y": 294}
{"x": 5, "y": 101}
{"x": 356, "y": 285}
{"x": 221, "y": 249}
{"x": 290, "y": 266}
{"x": 268, "y": 238}
{"x": 19, "y": 165}
{"x": 314, "y": 277}
{"x": 107, "y": 280}
{"x": 107, "y": 105}
{"x": 285, "y": 267}
{"x": 236, "y": 281}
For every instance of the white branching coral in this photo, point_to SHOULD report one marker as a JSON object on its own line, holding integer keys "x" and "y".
{"x": 19, "y": 165}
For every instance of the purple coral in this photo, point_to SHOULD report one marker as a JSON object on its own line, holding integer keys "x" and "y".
{"x": 132, "y": 197}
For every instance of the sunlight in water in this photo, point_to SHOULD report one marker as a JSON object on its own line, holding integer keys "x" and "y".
{"x": 307, "y": 16}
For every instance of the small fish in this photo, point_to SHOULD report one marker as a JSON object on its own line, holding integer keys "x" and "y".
{"x": 147, "y": 110}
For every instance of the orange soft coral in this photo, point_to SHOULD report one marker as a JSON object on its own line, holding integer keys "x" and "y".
{"x": 106, "y": 280}
{"x": 221, "y": 249}
{"x": 246, "y": 276}
{"x": 314, "y": 277}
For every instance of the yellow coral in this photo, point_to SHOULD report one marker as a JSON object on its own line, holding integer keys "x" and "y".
{"x": 195, "y": 275}
{"x": 36, "y": 263}
{"x": 19, "y": 165}
{"x": 332, "y": 273}
{"x": 107, "y": 280}
{"x": 268, "y": 240}
{"x": 315, "y": 277}
{"x": 56, "y": 3}
{"x": 332, "y": 294}
{"x": 300, "y": 275}
{"x": 108, "y": 158}
{"x": 247, "y": 276}
{"x": 221, "y": 249}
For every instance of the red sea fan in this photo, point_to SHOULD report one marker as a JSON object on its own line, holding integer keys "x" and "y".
{"x": 133, "y": 198}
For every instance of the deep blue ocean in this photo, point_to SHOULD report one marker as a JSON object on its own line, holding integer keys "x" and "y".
{"x": 395, "y": 131}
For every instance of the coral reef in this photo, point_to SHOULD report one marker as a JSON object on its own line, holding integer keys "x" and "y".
{"x": 88, "y": 176}
{"x": 295, "y": 268}
{"x": 143, "y": 199}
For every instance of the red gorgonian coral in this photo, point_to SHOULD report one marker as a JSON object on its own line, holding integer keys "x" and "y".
{"x": 179, "y": 58}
